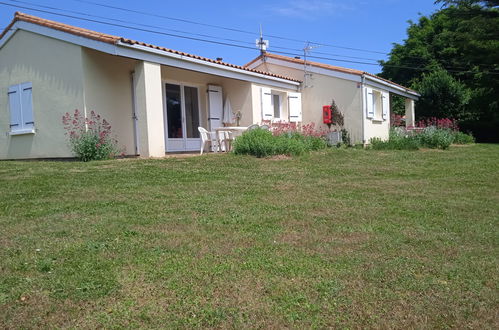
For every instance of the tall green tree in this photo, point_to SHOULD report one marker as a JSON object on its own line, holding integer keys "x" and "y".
{"x": 442, "y": 96}
{"x": 483, "y": 3}
{"x": 462, "y": 39}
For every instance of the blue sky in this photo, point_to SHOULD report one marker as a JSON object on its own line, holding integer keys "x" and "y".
{"x": 370, "y": 25}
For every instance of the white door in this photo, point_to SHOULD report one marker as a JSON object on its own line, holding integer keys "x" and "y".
{"x": 215, "y": 102}
{"x": 182, "y": 118}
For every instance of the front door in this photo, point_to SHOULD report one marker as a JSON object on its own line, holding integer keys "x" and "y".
{"x": 182, "y": 118}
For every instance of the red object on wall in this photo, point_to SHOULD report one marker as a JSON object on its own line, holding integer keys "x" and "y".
{"x": 327, "y": 114}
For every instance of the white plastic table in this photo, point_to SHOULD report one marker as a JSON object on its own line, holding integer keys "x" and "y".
{"x": 232, "y": 130}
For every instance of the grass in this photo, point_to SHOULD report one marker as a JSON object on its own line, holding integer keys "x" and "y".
{"x": 343, "y": 238}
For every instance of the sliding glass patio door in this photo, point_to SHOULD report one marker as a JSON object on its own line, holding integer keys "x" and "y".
{"x": 182, "y": 118}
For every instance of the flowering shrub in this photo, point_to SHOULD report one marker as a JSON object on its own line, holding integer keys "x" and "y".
{"x": 398, "y": 140}
{"x": 434, "y": 137}
{"x": 283, "y": 127}
{"x": 90, "y": 138}
{"x": 428, "y": 137}
{"x": 310, "y": 130}
{"x": 446, "y": 123}
{"x": 397, "y": 120}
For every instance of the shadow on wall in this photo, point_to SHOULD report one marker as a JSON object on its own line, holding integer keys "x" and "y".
{"x": 20, "y": 145}
{"x": 53, "y": 95}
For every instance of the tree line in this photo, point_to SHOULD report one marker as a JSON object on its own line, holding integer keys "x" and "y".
{"x": 451, "y": 58}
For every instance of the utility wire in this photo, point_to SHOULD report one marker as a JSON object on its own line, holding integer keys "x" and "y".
{"x": 210, "y": 41}
{"x": 247, "y": 32}
{"x": 128, "y": 22}
{"x": 196, "y": 34}
{"x": 180, "y": 31}
{"x": 225, "y": 27}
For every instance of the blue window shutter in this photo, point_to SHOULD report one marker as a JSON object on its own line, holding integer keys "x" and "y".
{"x": 27, "y": 105}
{"x": 15, "y": 108}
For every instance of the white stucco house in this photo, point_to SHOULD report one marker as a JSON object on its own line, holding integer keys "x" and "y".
{"x": 155, "y": 97}
{"x": 363, "y": 98}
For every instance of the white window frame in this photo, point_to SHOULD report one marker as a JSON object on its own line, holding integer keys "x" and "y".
{"x": 274, "y": 95}
{"x": 377, "y": 105}
{"x": 26, "y": 123}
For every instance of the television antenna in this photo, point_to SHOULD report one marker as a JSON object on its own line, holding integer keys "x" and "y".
{"x": 306, "y": 67}
{"x": 262, "y": 44}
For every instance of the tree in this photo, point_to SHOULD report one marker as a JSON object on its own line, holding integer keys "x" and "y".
{"x": 469, "y": 3}
{"x": 461, "y": 39}
{"x": 442, "y": 96}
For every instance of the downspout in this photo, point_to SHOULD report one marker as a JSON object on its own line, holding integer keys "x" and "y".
{"x": 362, "y": 114}
{"x": 134, "y": 114}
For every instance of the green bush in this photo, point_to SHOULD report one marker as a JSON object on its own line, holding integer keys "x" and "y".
{"x": 261, "y": 143}
{"x": 90, "y": 146}
{"x": 257, "y": 142}
{"x": 315, "y": 143}
{"x": 396, "y": 141}
{"x": 463, "y": 138}
{"x": 432, "y": 137}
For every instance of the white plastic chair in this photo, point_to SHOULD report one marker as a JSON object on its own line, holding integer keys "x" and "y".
{"x": 208, "y": 138}
{"x": 252, "y": 127}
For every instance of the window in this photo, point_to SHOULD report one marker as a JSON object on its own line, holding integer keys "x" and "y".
{"x": 21, "y": 109}
{"x": 276, "y": 103}
{"x": 377, "y": 109}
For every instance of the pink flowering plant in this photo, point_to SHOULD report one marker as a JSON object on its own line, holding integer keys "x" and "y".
{"x": 445, "y": 123}
{"x": 283, "y": 127}
{"x": 397, "y": 120}
{"x": 89, "y": 138}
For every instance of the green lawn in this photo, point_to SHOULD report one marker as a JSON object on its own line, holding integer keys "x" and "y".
{"x": 344, "y": 238}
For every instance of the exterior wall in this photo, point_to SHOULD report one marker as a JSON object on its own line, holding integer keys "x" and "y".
{"x": 240, "y": 95}
{"x": 149, "y": 109}
{"x": 65, "y": 77}
{"x": 108, "y": 91}
{"x": 347, "y": 95}
{"x": 257, "y": 103}
{"x": 55, "y": 69}
{"x": 376, "y": 127}
{"x": 239, "y": 92}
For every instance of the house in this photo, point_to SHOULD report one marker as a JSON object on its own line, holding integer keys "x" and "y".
{"x": 363, "y": 98}
{"x": 154, "y": 97}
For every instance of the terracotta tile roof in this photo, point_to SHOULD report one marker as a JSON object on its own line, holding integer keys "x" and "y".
{"x": 134, "y": 42}
{"x": 107, "y": 38}
{"x": 326, "y": 66}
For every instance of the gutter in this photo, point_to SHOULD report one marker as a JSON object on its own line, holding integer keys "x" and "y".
{"x": 400, "y": 88}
